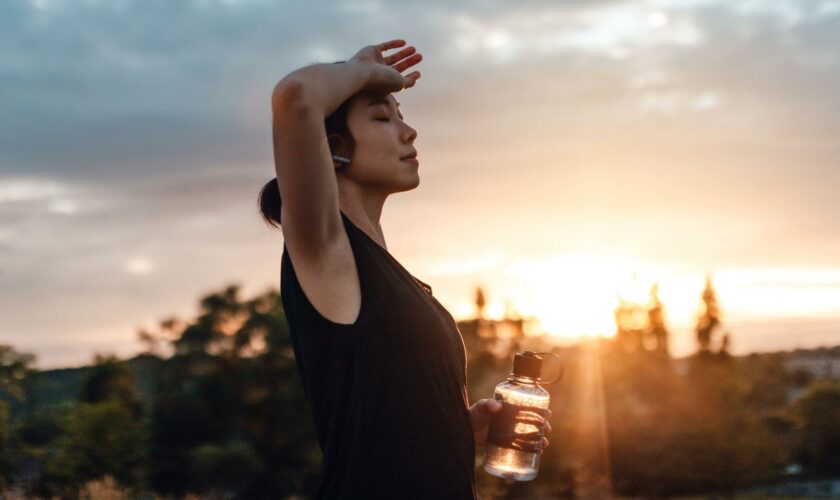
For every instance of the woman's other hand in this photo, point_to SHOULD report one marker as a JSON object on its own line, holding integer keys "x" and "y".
{"x": 481, "y": 413}
{"x": 387, "y": 71}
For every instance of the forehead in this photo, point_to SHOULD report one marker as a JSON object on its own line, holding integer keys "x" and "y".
{"x": 374, "y": 99}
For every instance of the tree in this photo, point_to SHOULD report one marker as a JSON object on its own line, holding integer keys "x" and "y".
{"x": 480, "y": 302}
{"x": 819, "y": 413}
{"x": 15, "y": 368}
{"x": 233, "y": 379}
{"x": 102, "y": 439}
{"x": 229, "y": 469}
{"x": 15, "y": 372}
{"x": 110, "y": 380}
{"x": 630, "y": 323}
{"x": 104, "y": 433}
{"x": 656, "y": 329}
{"x": 709, "y": 319}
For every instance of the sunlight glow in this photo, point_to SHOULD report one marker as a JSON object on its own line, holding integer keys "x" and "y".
{"x": 574, "y": 295}
{"x": 779, "y": 292}
{"x": 473, "y": 263}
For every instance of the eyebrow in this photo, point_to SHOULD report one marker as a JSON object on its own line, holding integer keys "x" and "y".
{"x": 382, "y": 100}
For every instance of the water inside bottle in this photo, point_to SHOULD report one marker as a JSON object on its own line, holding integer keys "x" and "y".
{"x": 520, "y": 459}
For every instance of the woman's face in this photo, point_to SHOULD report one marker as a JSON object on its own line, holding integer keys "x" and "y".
{"x": 382, "y": 141}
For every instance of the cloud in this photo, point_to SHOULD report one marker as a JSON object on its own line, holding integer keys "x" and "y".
{"x": 139, "y": 265}
{"x": 671, "y": 102}
{"x": 113, "y": 88}
{"x": 606, "y": 29}
{"x": 134, "y": 136}
{"x": 66, "y": 207}
{"x": 99, "y": 87}
{"x": 23, "y": 189}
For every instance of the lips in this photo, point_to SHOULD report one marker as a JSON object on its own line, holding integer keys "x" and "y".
{"x": 413, "y": 155}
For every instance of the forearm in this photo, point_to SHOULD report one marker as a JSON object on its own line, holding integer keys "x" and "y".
{"x": 323, "y": 87}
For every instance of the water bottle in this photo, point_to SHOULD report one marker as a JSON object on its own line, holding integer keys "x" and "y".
{"x": 514, "y": 440}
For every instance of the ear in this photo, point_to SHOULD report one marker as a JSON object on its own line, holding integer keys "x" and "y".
{"x": 337, "y": 147}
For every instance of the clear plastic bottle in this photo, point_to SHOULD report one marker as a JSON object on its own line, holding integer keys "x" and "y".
{"x": 514, "y": 440}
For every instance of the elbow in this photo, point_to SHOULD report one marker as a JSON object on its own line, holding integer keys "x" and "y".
{"x": 288, "y": 94}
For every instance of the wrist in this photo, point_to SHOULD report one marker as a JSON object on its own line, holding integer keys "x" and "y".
{"x": 366, "y": 69}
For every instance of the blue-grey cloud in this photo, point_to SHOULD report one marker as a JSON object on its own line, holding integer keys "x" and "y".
{"x": 134, "y": 134}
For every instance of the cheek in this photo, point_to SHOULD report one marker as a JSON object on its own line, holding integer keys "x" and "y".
{"x": 377, "y": 141}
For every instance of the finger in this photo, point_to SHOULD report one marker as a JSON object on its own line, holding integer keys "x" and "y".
{"x": 400, "y": 55}
{"x": 487, "y": 406}
{"x": 549, "y": 414}
{"x": 544, "y": 443}
{"x": 407, "y": 63}
{"x": 390, "y": 44}
{"x": 547, "y": 427}
{"x": 411, "y": 79}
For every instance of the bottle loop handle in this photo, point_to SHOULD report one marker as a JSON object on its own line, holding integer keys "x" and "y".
{"x": 560, "y": 371}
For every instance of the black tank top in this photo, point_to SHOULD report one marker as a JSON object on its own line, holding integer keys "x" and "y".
{"x": 388, "y": 392}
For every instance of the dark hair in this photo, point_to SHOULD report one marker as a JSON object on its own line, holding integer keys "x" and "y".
{"x": 269, "y": 198}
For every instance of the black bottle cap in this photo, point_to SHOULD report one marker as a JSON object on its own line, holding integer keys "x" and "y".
{"x": 527, "y": 364}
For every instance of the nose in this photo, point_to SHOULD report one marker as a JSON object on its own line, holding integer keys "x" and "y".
{"x": 410, "y": 134}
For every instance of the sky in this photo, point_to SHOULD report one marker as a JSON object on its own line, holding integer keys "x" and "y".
{"x": 571, "y": 153}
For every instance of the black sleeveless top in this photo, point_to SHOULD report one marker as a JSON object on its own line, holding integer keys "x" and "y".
{"x": 388, "y": 392}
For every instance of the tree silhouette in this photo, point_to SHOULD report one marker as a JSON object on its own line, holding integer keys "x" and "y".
{"x": 724, "y": 345}
{"x": 631, "y": 324}
{"x": 101, "y": 439}
{"x": 15, "y": 373}
{"x": 480, "y": 302}
{"x": 230, "y": 399}
{"x": 656, "y": 329}
{"x": 708, "y": 320}
{"x": 103, "y": 434}
{"x": 15, "y": 368}
{"x": 110, "y": 380}
{"x": 819, "y": 413}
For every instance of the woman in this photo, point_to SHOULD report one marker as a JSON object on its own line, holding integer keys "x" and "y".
{"x": 381, "y": 360}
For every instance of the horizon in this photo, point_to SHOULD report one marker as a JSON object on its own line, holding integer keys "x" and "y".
{"x": 579, "y": 343}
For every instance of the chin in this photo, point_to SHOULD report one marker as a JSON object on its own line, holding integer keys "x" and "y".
{"x": 416, "y": 181}
{"x": 409, "y": 185}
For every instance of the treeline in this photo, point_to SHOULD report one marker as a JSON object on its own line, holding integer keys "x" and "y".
{"x": 724, "y": 425}
{"x": 225, "y": 414}
{"x": 630, "y": 420}
{"x": 215, "y": 408}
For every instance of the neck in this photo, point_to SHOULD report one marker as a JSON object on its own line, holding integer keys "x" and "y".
{"x": 363, "y": 207}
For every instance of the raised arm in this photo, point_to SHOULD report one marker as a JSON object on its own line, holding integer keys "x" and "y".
{"x": 302, "y": 159}
{"x": 305, "y": 173}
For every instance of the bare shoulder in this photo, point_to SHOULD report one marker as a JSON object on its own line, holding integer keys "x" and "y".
{"x": 327, "y": 274}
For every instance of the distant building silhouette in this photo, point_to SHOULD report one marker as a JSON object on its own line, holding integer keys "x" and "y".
{"x": 498, "y": 336}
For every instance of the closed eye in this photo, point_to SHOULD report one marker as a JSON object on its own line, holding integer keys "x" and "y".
{"x": 383, "y": 119}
